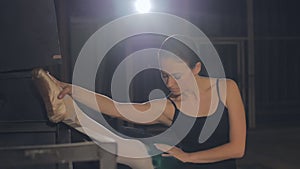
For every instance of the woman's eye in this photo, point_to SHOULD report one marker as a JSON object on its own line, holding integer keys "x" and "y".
{"x": 177, "y": 76}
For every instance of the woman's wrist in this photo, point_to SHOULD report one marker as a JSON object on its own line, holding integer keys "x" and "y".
{"x": 186, "y": 157}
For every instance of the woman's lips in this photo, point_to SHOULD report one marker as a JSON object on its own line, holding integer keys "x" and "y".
{"x": 174, "y": 89}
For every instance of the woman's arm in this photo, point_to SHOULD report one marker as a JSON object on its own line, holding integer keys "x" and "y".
{"x": 236, "y": 146}
{"x": 143, "y": 113}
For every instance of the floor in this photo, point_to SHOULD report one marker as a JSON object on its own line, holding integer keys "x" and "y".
{"x": 272, "y": 147}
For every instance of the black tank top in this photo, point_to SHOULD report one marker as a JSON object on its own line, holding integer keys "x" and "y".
{"x": 210, "y": 139}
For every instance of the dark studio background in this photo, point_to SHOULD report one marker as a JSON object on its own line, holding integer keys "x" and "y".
{"x": 257, "y": 41}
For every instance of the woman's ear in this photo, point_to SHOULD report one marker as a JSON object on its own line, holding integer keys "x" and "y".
{"x": 197, "y": 68}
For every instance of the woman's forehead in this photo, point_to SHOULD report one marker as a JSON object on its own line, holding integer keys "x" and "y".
{"x": 173, "y": 65}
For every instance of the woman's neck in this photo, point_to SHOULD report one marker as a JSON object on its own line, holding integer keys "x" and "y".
{"x": 204, "y": 84}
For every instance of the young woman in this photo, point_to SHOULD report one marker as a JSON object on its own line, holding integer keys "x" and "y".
{"x": 192, "y": 97}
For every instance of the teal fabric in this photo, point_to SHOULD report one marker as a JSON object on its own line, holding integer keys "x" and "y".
{"x": 160, "y": 162}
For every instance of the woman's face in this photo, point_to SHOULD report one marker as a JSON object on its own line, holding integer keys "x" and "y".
{"x": 176, "y": 75}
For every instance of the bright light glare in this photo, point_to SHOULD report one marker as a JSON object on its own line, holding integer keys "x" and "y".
{"x": 142, "y": 6}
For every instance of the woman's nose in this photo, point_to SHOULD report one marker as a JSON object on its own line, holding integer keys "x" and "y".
{"x": 170, "y": 82}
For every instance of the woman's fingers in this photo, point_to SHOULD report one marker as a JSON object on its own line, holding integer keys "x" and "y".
{"x": 65, "y": 91}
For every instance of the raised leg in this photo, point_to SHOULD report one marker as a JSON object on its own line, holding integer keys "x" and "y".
{"x": 130, "y": 151}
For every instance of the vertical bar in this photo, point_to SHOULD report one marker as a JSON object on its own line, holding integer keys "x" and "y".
{"x": 107, "y": 159}
{"x": 63, "y": 23}
{"x": 63, "y": 135}
{"x": 239, "y": 65}
{"x": 241, "y": 68}
{"x": 251, "y": 66}
{"x": 242, "y": 45}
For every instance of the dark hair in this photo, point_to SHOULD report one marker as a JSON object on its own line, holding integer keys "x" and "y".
{"x": 179, "y": 49}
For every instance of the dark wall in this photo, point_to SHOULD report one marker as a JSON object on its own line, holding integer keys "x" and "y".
{"x": 29, "y": 39}
{"x": 29, "y": 36}
{"x": 277, "y": 58}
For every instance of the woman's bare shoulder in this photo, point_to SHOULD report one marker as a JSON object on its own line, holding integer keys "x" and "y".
{"x": 226, "y": 87}
{"x": 227, "y": 83}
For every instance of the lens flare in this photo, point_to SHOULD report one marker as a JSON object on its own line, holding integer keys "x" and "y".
{"x": 142, "y": 6}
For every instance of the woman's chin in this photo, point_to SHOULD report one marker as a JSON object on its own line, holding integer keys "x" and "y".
{"x": 175, "y": 93}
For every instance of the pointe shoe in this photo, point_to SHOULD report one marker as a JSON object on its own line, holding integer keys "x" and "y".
{"x": 49, "y": 90}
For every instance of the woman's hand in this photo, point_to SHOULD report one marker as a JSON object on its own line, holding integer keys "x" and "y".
{"x": 173, "y": 152}
{"x": 66, "y": 88}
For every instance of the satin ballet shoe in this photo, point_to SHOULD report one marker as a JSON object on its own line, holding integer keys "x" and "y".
{"x": 49, "y": 90}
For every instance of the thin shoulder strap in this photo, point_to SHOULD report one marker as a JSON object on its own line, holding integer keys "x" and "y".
{"x": 173, "y": 103}
{"x": 176, "y": 110}
{"x": 218, "y": 90}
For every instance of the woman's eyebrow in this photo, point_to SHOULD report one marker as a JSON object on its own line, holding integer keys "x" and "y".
{"x": 177, "y": 73}
{"x": 173, "y": 74}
